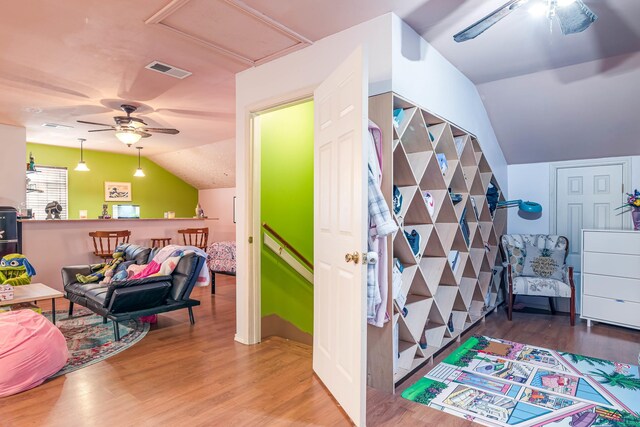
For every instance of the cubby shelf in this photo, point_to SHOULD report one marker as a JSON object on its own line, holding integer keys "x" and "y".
{"x": 432, "y": 295}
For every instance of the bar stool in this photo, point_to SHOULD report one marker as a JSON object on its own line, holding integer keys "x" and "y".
{"x": 160, "y": 242}
{"x": 105, "y": 242}
{"x": 197, "y": 237}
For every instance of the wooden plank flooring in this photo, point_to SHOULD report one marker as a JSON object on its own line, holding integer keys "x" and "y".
{"x": 199, "y": 376}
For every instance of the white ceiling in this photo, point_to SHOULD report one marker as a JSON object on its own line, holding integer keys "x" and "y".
{"x": 80, "y": 59}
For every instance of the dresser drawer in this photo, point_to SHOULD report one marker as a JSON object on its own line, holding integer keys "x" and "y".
{"x": 610, "y": 310}
{"x": 612, "y": 287}
{"x": 612, "y": 242}
{"x": 611, "y": 264}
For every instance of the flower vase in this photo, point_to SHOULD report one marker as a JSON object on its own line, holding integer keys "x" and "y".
{"x": 635, "y": 216}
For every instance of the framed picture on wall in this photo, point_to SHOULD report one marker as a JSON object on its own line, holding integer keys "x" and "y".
{"x": 117, "y": 191}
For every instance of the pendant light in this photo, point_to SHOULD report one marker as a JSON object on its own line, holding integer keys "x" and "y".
{"x": 139, "y": 171}
{"x": 82, "y": 166}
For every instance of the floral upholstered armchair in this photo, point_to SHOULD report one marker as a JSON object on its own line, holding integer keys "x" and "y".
{"x": 536, "y": 266}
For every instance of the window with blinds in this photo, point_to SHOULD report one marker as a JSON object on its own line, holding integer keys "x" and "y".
{"x": 46, "y": 185}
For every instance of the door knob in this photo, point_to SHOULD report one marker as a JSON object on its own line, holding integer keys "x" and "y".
{"x": 355, "y": 257}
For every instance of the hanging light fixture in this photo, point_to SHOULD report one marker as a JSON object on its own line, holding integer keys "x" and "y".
{"x": 82, "y": 166}
{"x": 139, "y": 171}
{"x": 127, "y": 136}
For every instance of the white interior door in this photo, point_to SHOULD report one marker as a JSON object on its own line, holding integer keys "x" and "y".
{"x": 340, "y": 224}
{"x": 587, "y": 197}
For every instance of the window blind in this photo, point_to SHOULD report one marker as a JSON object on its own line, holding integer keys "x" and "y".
{"x": 50, "y": 183}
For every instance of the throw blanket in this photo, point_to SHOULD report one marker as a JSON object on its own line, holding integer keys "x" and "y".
{"x": 168, "y": 255}
{"x": 162, "y": 264}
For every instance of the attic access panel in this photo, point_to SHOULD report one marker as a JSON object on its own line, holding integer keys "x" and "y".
{"x": 229, "y": 27}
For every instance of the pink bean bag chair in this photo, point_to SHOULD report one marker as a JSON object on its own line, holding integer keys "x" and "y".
{"x": 31, "y": 350}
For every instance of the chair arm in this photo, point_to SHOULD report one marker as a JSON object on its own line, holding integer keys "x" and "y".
{"x": 138, "y": 282}
{"x": 69, "y": 273}
{"x": 570, "y": 276}
{"x": 134, "y": 283}
{"x": 139, "y": 297}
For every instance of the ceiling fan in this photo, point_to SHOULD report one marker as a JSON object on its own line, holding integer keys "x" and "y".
{"x": 129, "y": 129}
{"x": 573, "y": 15}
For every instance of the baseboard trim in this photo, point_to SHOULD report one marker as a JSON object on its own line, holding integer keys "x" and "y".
{"x": 274, "y": 325}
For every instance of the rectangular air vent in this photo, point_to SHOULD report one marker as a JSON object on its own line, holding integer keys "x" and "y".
{"x": 169, "y": 70}
{"x": 56, "y": 126}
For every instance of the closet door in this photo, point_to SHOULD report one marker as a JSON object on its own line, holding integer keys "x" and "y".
{"x": 340, "y": 224}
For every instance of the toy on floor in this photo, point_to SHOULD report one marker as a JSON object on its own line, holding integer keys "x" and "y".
{"x": 102, "y": 271}
{"x": 15, "y": 270}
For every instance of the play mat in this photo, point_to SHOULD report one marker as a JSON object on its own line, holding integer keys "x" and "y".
{"x": 502, "y": 383}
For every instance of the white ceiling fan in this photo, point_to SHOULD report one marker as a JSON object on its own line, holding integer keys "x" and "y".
{"x": 573, "y": 15}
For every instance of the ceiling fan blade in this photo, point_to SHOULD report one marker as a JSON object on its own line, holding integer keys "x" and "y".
{"x": 93, "y": 123}
{"x": 479, "y": 27}
{"x": 162, "y": 130}
{"x": 575, "y": 17}
{"x": 143, "y": 133}
{"x": 101, "y": 130}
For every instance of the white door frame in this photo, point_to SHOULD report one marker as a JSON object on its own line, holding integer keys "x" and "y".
{"x": 625, "y": 162}
{"x": 252, "y": 225}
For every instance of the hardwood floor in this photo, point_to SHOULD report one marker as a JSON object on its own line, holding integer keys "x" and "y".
{"x": 198, "y": 376}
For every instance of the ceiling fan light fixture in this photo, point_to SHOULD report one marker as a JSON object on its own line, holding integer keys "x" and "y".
{"x": 128, "y": 137}
{"x": 563, "y": 3}
{"x": 82, "y": 166}
{"x": 538, "y": 9}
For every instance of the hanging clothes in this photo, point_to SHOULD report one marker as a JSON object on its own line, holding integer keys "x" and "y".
{"x": 381, "y": 224}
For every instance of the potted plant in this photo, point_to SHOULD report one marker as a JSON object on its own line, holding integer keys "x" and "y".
{"x": 633, "y": 203}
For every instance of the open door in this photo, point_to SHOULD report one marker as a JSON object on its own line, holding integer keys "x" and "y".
{"x": 340, "y": 224}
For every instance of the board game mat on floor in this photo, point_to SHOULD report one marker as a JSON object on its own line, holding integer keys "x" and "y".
{"x": 502, "y": 383}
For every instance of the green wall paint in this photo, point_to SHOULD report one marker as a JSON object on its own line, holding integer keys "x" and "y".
{"x": 159, "y": 191}
{"x": 286, "y": 204}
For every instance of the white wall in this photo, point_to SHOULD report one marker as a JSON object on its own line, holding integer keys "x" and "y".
{"x": 12, "y": 170}
{"x": 218, "y": 207}
{"x": 422, "y": 75}
{"x": 531, "y": 181}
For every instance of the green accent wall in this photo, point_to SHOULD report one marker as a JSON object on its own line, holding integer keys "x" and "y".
{"x": 286, "y": 204}
{"x": 157, "y": 192}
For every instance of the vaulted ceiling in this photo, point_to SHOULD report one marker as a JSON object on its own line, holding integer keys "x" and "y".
{"x": 549, "y": 96}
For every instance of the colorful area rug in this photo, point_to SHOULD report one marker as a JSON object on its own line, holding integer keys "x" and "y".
{"x": 503, "y": 383}
{"x": 90, "y": 341}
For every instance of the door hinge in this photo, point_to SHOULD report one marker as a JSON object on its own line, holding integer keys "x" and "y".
{"x": 250, "y": 239}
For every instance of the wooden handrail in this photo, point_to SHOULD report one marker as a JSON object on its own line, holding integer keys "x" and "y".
{"x": 287, "y": 245}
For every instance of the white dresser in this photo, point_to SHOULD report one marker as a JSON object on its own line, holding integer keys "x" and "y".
{"x": 611, "y": 277}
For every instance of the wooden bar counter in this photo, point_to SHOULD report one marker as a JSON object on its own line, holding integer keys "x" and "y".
{"x": 51, "y": 244}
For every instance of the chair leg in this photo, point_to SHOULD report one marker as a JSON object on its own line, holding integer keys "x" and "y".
{"x": 213, "y": 283}
{"x": 116, "y": 330}
{"x": 191, "y": 318}
{"x": 572, "y": 310}
{"x": 70, "y": 308}
{"x": 512, "y": 297}
{"x": 551, "y": 306}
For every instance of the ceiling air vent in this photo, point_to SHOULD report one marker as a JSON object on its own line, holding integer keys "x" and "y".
{"x": 56, "y": 126}
{"x": 169, "y": 70}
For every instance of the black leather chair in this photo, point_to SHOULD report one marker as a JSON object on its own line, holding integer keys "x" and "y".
{"x": 130, "y": 299}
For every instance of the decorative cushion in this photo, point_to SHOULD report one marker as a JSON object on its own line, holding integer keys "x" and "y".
{"x": 516, "y": 257}
{"x": 545, "y": 263}
{"x": 513, "y": 246}
{"x": 537, "y": 286}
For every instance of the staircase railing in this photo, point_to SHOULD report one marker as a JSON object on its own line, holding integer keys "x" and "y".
{"x": 279, "y": 245}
